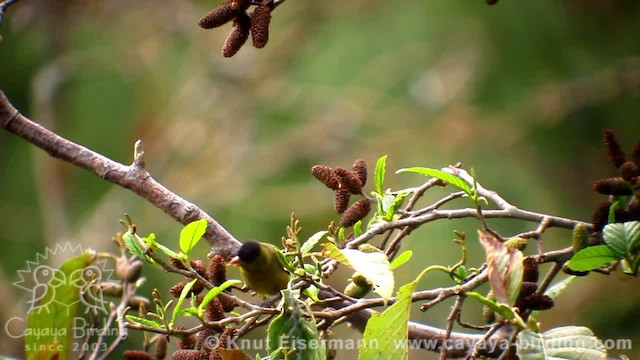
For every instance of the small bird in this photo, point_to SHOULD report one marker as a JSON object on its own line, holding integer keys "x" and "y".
{"x": 260, "y": 267}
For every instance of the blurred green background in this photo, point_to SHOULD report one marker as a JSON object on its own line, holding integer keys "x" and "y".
{"x": 520, "y": 91}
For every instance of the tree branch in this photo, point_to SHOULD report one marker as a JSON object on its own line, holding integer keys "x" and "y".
{"x": 134, "y": 177}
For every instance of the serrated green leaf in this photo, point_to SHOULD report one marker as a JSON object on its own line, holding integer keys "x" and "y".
{"x": 191, "y": 234}
{"x": 389, "y": 329}
{"x": 439, "y": 174}
{"x": 622, "y": 238}
{"x": 591, "y": 258}
{"x": 51, "y": 319}
{"x": 144, "y": 321}
{"x": 401, "y": 259}
{"x": 373, "y": 265}
{"x": 132, "y": 245}
{"x": 211, "y": 294}
{"x": 381, "y": 168}
{"x": 312, "y": 241}
{"x": 569, "y": 343}
{"x": 292, "y": 333}
{"x": 178, "y": 308}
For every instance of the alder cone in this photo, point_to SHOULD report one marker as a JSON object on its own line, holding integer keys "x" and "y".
{"x": 348, "y": 180}
{"x": 219, "y": 16}
{"x": 600, "y": 216}
{"x": 260, "y": 20}
{"x": 356, "y": 212}
{"x": 629, "y": 170}
{"x": 188, "y": 355}
{"x": 326, "y": 175}
{"x": 238, "y": 36}
{"x": 341, "y": 201}
{"x": 136, "y": 355}
{"x": 530, "y": 272}
{"x": 614, "y": 150}
{"x": 613, "y": 186}
{"x": 360, "y": 168}
{"x": 217, "y": 273}
{"x": 161, "y": 348}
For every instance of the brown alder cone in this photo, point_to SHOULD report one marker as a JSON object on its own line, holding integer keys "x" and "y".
{"x": 238, "y": 36}
{"x": 360, "y": 168}
{"x": 186, "y": 341}
{"x": 613, "y": 186}
{"x": 348, "y": 180}
{"x": 356, "y": 212}
{"x": 600, "y": 216}
{"x": 214, "y": 310}
{"x": 217, "y": 273}
{"x": 219, "y": 15}
{"x": 629, "y": 170}
{"x": 188, "y": 355}
{"x": 614, "y": 150}
{"x": 326, "y": 175}
{"x": 530, "y": 272}
{"x": 260, "y": 20}
{"x": 161, "y": 347}
{"x": 136, "y": 355}
{"x": 341, "y": 201}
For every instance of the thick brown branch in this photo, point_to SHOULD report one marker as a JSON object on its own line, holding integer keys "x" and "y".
{"x": 134, "y": 178}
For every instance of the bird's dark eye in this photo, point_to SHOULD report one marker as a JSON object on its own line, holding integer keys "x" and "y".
{"x": 249, "y": 251}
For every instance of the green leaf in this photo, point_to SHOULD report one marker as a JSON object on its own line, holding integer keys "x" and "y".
{"x": 591, "y": 258}
{"x": 622, "y": 238}
{"x": 357, "y": 228}
{"x": 284, "y": 261}
{"x": 504, "y": 268}
{"x": 502, "y": 309}
{"x": 191, "y": 234}
{"x": 389, "y": 330}
{"x": 293, "y": 333}
{"x": 144, "y": 321}
{"x": 50, "y": 322}
{"x": 211, "y": 294}
{"x": 132, "y": 244}
{"x": 312, "y": 241}
{"x": 569, "y": 342}
{"x": 381, "y": 168}
{"x": 178, "y": 308}
{"x": 612, "y": 212}
{"x": 373, "y": 265}
{"x": 401, "y": 259}
{"x": 442, "y": 175}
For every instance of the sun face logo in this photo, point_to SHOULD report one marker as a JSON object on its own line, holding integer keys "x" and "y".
{"x": 50, "y": 287}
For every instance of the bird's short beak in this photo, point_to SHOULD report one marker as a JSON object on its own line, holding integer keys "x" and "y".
{"x": 235, "y": 261}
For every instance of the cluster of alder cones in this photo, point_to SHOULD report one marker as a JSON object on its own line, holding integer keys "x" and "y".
{"x": 197, "y": 345}
{"x": 627, "y": 184}
{"x": 255, "y": 23}
{"x": 346, "y": 183}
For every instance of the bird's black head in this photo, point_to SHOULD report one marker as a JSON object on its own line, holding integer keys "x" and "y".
{"x": 249, "y": 251}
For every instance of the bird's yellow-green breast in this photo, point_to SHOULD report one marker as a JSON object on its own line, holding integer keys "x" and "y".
{"x": 260, "y": 268}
